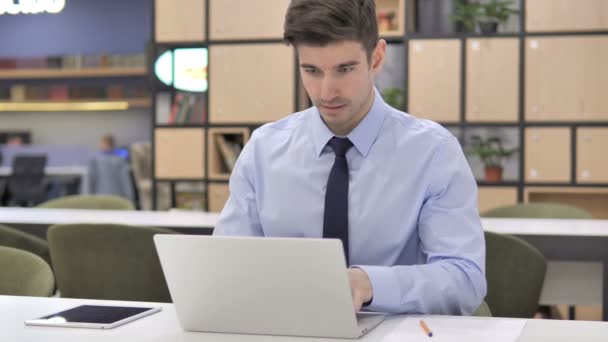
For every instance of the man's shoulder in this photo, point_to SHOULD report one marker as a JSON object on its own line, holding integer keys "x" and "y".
{"x": 281, "y": 128}
{"x": 408, "y": 127}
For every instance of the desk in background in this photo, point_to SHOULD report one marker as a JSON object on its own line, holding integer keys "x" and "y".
{"x": 58, "y": 172}
{"x": 164, "y": 327}
{"x": 577, "y": 251}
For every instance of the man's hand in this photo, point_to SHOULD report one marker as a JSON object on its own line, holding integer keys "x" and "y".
{"x": 360, "y": 287}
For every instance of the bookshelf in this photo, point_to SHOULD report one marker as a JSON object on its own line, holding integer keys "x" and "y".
{"x": 114, "y": 82}
{"x": 74, "y": 106}
{"x": 24, "y": 74}
{"x": 537, "y": 83}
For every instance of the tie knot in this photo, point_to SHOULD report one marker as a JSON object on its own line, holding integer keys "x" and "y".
{"x": 340, "y": 146}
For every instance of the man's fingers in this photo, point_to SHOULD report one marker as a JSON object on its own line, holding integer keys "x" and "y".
{"x": 357, "y": 300}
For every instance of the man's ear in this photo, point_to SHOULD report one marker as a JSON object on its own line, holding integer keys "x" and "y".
{"x": 378, "y": 56}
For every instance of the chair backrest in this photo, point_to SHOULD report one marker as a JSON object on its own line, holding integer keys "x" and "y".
{"x": 539, "y": 210}
{"x": 102, "y": 202}
{"x": 24, "y": 274}
{"x": 26, "y": 183}
{"x": 104, "y": 261}
{"x": 11, "y": 237}
{"x": 515, "y": 271}
{"x": 483, "y": 310}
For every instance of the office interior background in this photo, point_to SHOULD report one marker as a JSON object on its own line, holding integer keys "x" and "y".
{"x": 181, "y": 84}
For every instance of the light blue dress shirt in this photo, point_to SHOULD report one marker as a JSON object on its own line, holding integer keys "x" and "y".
{"x": 412, "y": 205}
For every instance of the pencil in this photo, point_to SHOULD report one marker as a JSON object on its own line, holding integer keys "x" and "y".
{"x": 426, "y": 329}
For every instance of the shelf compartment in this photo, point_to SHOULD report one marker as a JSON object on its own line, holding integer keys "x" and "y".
{"x": 218, "y": 195}
{"x": 179, "y": 153}
{"x": 225, "y": 145}
{"x": 492, "y": 80}
{"x": 434, "y": 79}
{"x": 547, "y": 154}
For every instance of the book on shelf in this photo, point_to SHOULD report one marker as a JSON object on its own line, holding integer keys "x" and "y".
{"x": 229, "y": 151}
{"x": 18, "y": 92}
{"x": 187, "y": 108}
{"x": 5, "y": 93}
{"x": 115, "y": 91}
{"x": 59, "y": 93}
{"x": 36, "y": 93}
{"x": 8, "y": 63}
{"x": 54, "y": 62}
{"x": 31, "y": 63}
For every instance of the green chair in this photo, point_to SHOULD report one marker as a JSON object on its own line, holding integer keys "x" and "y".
{"x": 11, "y": 237}
{"x": 106, "y": 261}
{"x": 483, "y": 310}
{"x": 24, "y": 274}
{"x": 515, "y": 271}
{"x": 538, "y": 210}
{"x": 103, "y": 202}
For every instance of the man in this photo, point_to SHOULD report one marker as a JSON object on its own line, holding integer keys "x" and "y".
{"x": 109, "y": 174}
{"x": 395, "y": 189}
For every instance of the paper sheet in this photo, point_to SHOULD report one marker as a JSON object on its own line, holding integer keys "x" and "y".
{"x": 455, "y": 329}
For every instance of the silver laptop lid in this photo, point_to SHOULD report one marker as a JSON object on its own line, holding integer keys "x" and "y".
{"x": 275, "y": 286}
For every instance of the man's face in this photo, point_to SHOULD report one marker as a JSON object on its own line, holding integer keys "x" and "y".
{"x": 339, "y": 80}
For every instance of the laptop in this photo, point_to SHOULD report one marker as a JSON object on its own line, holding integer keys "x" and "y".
{"x": 255, "y": 285}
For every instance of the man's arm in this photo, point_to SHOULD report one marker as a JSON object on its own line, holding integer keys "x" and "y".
{"x": 451, "y": 236}
{"x": 240, "y": 216}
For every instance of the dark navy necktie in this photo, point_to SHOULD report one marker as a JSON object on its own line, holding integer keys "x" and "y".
{"x": 335, "y": 217}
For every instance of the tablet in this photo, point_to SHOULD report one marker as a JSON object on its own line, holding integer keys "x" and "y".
{"x": 94, "y": 316}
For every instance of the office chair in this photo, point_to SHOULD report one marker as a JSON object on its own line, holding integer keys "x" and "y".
{"x": 100, "y": 202}
{"x": 107, "y": 261}
{"x": 539, "y": 210}
{"x": 483, "y": 310}
{"x": 2, "y": 190}
{"x": 515, "y": 272}
{"x": 11, "y": 237}
{"x": 24, "y": 274}
{"x": 26, "y": 183}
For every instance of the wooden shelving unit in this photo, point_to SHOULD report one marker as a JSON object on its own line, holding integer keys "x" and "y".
{"x": 543, "y": 81}
{"x": 24, "y": 74}
{"x": 74, "y": 105}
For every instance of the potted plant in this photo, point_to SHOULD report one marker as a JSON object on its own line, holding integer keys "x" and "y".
{"x": 466, "y": 14}
{"x": 394, "y": 97}
{"x": 491, "y": 153}
{"x": 486, "y": 16}
{"x": 493, "y": 13}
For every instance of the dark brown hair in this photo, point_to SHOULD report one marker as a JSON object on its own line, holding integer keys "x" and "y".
{"x": 320, "y": 22}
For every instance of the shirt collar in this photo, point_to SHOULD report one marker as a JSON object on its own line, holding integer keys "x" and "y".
{"x": 362, "y": 136}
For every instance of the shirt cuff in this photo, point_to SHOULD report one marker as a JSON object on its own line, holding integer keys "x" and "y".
{"x": 386, "y": 292}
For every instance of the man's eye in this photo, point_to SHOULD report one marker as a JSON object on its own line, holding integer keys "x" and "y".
{"x": 310, "y": 71}
{"x": 346, "y": 69}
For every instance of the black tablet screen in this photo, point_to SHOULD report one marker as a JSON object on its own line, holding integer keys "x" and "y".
{"x": 95, "y": 314}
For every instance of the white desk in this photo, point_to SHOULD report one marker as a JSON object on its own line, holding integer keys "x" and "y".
{"x": 549, "y": 227}
{"x": 168, "y": 219}
{"x": 164, "y": 327}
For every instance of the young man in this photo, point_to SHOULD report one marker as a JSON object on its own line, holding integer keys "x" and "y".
{"x": 395, "y": 189}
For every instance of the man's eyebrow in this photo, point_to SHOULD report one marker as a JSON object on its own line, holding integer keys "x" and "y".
{"x": 348, "y": 64}
{"x": 341, "y": 65}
